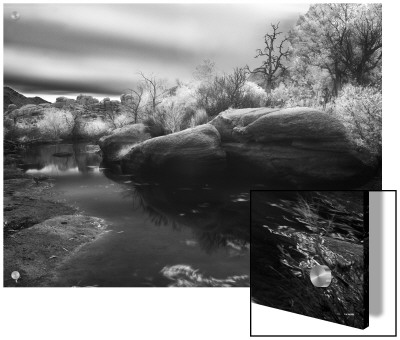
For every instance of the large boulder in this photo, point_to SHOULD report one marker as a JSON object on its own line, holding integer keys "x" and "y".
{"x": 230, "y": 119}
{"x": 285, "y": 148}
{"x": 302, "y": 147}
{"x": 300, "y": 125}
{"x": 191, "y": 152}
{"x": 121, "y": 140}
{"x": 63, "y": 101}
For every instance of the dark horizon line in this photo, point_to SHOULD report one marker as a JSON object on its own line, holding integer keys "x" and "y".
{"x": 39, "y": 94}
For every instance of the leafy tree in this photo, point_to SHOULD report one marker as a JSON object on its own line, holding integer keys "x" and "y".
{"x": 274, "y": 53}
{"x": 344, "y": 39}
{"x": 360, "y": 110}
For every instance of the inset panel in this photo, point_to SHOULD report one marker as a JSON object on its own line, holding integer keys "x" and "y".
{"x": 309, "y": 253}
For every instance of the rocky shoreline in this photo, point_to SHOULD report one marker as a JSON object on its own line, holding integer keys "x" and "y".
{"x": 301, "y": 147}
{"x": 41, "y": 231}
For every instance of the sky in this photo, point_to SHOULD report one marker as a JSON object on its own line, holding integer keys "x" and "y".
{"x": 54, "y": 50}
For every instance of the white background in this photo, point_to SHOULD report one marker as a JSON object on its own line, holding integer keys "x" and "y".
{"x": 195, "y": 313}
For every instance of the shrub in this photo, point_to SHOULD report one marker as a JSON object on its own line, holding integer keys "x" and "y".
{"x": 122, "y": 119}
{"x": 173, "y": 111}
{"x": 93, "y": 129}
{"x": 55, "y": 123}
{"x": 21, "y": 131}
{"x": 197, "y": 117}
{"x": 253, "y": 95}
{"x": 360, "y": 110}
{"x": 291, "y": 96}
{"x": 229, "y": 91}
{"x": 154, "y": 127}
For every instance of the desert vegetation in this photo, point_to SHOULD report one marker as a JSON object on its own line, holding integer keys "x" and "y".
{"x": 330, "y": 60}
{"x": 183, "y": 153}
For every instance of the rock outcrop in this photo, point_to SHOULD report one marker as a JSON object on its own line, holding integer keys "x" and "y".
{"x": 38, "y": 251}
{"x": 89, "y": 106}
{"x": 86, "y": 100}
{"x": 297, "y": 147}
{"x": 302, "y": 146}
{"x": 228, "y": 120}
{"x": 121, "y": 140}
{"x": 191, "y": 152}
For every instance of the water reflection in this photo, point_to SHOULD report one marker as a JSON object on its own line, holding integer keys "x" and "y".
{"x": 161, "y": 234}
{"x": 186, "y": 276}
{"x": 217, "y": 213}
{"x": 79, "y": 159}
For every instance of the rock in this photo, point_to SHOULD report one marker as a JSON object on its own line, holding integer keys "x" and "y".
{"x": 121, "y": 140}
{"x": 227, "y": 120}
{"x": 295, "y": 125}
{"x": 299, "y": 146}
{"x": 286, "y": 148}
{"x": 290, "y": 167}
{"x": 58, "y": 105}
{"x": 61, "y": 99}
{"x": 36, "y": 252}
{"x": 86, "y": 100}
{"x": 191, "y": 152}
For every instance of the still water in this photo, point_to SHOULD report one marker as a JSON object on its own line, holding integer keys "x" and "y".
{"x": 159, "y": 234}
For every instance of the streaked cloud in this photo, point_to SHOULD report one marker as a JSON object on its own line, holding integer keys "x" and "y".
{"x": 100, "y": 48}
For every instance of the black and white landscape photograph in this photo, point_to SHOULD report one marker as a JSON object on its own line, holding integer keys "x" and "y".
{"x": 133, "y": 134}
{"x": 310, "y": 254}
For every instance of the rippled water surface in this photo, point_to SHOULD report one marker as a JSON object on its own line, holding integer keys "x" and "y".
{"x": 160, "y": 234}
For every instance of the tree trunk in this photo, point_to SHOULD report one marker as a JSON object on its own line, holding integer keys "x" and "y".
{"x": 268, "y": 87}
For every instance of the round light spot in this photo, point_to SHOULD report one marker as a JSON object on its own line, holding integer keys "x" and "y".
{"x": 15, "y": 275}
{"x": 321, "y": 276}
{"x": 15, "y": 15}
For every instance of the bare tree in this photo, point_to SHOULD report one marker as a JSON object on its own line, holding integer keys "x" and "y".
{"x": 274, "y": 53}
{"x": 223, "y": 92}
{"x": 155, "y": 88}
{"x": 133, "y": 101}
{"x": 235, "y": 84}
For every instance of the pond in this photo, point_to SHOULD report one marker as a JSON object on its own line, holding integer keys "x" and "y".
{"x": 159, "y": 234}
